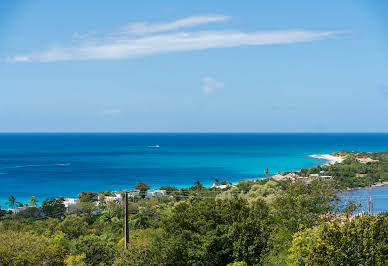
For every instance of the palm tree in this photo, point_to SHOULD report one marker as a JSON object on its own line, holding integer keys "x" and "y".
{"x": 32, "y": 201}
{"x": 11, "y": 201}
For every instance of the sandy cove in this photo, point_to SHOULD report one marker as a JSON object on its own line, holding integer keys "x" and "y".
{"x": 333, "y": 159}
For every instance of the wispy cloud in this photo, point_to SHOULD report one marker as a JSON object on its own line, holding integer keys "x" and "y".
{"x": 156, "y": 41}
{"x": 145, "y": 28}
{"x": 210, "y": 85}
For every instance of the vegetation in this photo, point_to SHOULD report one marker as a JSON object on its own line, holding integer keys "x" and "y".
{"x": 352, "y": 173}
{"x": 256, "y": 222}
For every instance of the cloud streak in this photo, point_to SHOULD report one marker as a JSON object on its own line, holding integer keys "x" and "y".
{"x": 145, "y": 28}
{"x": 157, "y": 41}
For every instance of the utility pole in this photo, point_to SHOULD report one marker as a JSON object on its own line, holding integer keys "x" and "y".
{"x": 126, "y": 229}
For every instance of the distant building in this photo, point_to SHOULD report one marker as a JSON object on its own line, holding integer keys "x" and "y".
{"x": 116, "y": 197}
{"x": 220, "y": 186}
{"x": 69, "y": 202}
{"x": 155, "y": 193}
{"x": 18, "y": 209}
{"x": 366, "y": 160}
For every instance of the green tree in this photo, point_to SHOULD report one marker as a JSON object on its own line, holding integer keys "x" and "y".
{"x": 143, "y": 188}
{"x": 143, "y": 249}
{"x": 169, "y": 189}
{"x": 54, "y": 208}
{"x": 361, "y": 241}
{"x": 96, "y": 249}
{"x": 32, "y": 201}
{"x": 198, "y": 186}
{"x": 74, "y": 226}
{"x": 75, "y": 260}
{"x": 24, "y": 248}
{"x": 11, "y": 201}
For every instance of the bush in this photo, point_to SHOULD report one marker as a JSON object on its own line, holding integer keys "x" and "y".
{"x": 28, "y": 249}
{"x": 362, "y": 241}
{"x": 74, "y": 226}
{"x": 97, "y": 250}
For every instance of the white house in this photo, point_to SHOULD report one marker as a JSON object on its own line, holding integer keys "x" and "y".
{"x": 18, "y": 209}
{"x": 222, "y": 186}
{"x": 117, "y": 197}
{"x": 155, "y": 193}
{"x": 69, "y": 202}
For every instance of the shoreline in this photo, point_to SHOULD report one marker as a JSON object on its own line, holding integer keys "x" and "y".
{"x": 328, "y": 157}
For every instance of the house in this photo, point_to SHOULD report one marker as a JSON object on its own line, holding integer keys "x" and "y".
{"x": 291, "y": 176}
{"x": 222, "y": 186}
{"x": 155, "y": 193}
{"x": 314, "y": 175}
{"x": 366, "y": 160}
{"x": 278, "y": 177}
{"x": 360, "y": 175}
{"x": 69, "y": 202}
{"x": 116, "y": 197}
{"x": 18, "y": 209}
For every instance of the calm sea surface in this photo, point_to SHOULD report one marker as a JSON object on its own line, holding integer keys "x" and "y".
{"x": 50, "y": 165}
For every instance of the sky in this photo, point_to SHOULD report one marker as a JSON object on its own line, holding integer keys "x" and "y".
{"x": 193, "y": 66}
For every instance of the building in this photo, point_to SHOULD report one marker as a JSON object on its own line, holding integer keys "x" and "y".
{"x": 18, "y": 209}
{"x": 155, "y": 193}
{"x": 116, "y": 197}
{"x": 69, "y": 202}
{"x": 366, "y": 160}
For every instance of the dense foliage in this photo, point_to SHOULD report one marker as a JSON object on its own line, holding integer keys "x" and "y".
{"x": 262, "y": 222}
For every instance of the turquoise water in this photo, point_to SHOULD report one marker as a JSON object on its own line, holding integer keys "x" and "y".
{"x": 377, "y": 196}
{"x": 50, "y": 165}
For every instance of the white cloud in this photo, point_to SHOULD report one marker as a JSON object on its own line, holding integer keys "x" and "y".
{"x": 144, "y": 28}
{"x": 128, "y": 46}
{"x": 210, "y": 85}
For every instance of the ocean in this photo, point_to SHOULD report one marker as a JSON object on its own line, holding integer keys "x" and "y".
{"x": 51, "y": 165}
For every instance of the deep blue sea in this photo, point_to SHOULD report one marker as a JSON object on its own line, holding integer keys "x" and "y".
{"x": 50, "y": 165}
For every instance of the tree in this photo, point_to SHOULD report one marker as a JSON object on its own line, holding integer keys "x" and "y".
{"x": 361, "y": 241}
{"x": 97, "y": 250}
{"x": 32, "y": 201}
{"x": 169, "y": 189}
{"x": 266, "y": 171}
{"x": 144, "y": 248}
{"x": 73, "y": 226}
{"x": 198, "y": 185}
{"x": 24, "y": 248}
{"x": 54, "y": 208}
{"x": 87, "y": 196}
{"x": 11, "y": 201}
{"x": 143, "y": 187}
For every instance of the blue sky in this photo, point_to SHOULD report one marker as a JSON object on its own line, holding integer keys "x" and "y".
{"x": 198, "y": 66}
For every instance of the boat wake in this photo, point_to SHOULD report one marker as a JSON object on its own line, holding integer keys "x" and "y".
{"x": 38, "y": 165}
{"x": 154, "y": 146}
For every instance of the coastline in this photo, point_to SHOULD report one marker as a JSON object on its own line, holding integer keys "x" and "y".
{"x": 328, "y": 157}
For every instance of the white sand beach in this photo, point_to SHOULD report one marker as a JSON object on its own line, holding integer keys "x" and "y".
{"x": 333, "y": 159}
